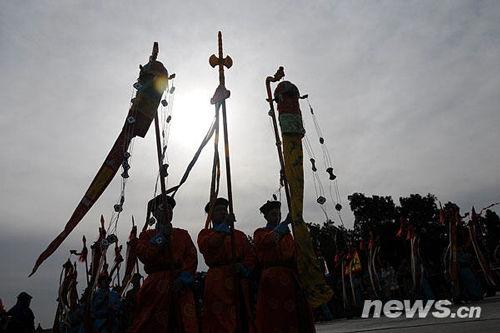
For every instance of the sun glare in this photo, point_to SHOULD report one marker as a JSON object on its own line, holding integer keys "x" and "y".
{"x": 192, "y": 116}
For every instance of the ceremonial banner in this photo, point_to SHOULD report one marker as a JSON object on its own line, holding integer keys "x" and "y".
{"x": 131, "y": 259}
{"x": 290, "y": 118}
{"x": 152, "y": 82}
{"x": 483, "y": 263}
{"x": 96, "y": 188}
{"x": 354, "y": 265}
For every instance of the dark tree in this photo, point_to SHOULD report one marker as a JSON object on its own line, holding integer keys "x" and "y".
{"x": 371, "y": 213}
{"x": 420, "y": 211}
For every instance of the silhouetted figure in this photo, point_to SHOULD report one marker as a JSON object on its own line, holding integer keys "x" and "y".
{"x": 3, "y": 317}
{"x": 281, "y": 304}
{"x": 106, "y": 307}
{"x": 469, "y": 284}
{"x": 130, "y": 301}
{"x": 226, "y": 298}
{"x": 165, "y": 301}
{"x": 21, "y": 318}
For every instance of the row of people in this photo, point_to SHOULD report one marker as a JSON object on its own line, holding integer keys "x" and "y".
{"x": 165, "y": 301}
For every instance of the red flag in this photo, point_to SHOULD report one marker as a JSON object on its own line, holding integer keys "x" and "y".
{"x": 96, "y": 188}
{"x": 336, "y": 259}
{"x": 442, "y": 217}
{"x": 411, "y": 232}
{"x": 399, "y": 234}
{"x": 97, "y": 251}
{"x": 403, "y": 225}
{"x": 131, "y": 257}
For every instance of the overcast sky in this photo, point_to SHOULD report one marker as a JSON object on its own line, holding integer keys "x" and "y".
{"x": 407, "y": 93}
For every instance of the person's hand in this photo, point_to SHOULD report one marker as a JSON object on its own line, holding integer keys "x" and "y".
{"x": 222, "y": 228}
{"x": 242, "y": 270}
{"x": 282, "y": 229}
{"x": 288, "y": 219}
{"x": 230, "y": 218}
{"x": 184, "y": 280}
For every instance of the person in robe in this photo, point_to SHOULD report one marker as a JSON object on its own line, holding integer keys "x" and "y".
{"x": 3, "y": 317}
{"x": 470, "y": 286}
{"x": 129, "y": 301}
{"x": 165, "y": 301}
{"x": 227, "y": 306}
{"x": 106, "y": 307}
{"x": 281, "y": 304}
{"x": 21, "y": 318}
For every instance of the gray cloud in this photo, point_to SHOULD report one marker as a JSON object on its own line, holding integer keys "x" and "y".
{"x": 406, "y": 92}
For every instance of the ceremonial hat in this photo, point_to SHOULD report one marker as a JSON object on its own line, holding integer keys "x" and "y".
{"x": 24, "y": 295}
{"x": 218, "y": 202}
{"x": 269, "y": 205}
{"x": 157, "y": 201}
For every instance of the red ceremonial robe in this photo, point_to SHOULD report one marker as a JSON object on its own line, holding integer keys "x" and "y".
{"x": 281, "y": 306}
{"x": 159, "y": 307}
{"x": 224, "y": 305}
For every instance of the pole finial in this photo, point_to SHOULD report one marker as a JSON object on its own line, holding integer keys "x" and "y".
{"x": 221, "y": 92}
{"x": 154, "y": 53}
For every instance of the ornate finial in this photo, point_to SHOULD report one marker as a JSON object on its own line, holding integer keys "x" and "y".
{"x": 220, "y": 61}
{"x": 154, "y": 54}
{"x": 221, "y": 92}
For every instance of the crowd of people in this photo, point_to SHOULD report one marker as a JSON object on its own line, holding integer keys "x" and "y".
{"x": 408, "y": 252}
{"x": 415, "y": 251}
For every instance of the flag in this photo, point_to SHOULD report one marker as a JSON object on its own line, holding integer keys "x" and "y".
{"x": 287, "y": 96}
{"x": 131, "y": 257}
{"x": 152, "y": 82}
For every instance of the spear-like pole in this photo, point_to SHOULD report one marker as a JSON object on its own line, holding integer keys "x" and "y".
{"x": 153, "y": 57}
{"x": 84, "y": 240}
{"x": 219, "y": 100}
{"x": 455, "y": 218}
{"x": 280, "y": 73}
{"x": 221, "y": 94}
{"x": 136, "y": 259}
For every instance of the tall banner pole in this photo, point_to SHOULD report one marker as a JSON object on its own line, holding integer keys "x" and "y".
{"x": 290, "y": 155}
{"x": 455, "y": 218}
{"x": 220, "y": 96}
{"x": 219, "y": 100}
{"x": 280, "y": 73}
{"x": 159, "y": 149}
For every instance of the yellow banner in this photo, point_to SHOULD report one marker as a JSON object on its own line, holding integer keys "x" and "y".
{"x": 310, "y": 274}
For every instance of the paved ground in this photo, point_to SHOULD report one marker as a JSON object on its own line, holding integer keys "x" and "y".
{"x": 489, "y": 322}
